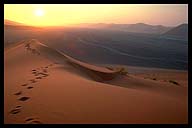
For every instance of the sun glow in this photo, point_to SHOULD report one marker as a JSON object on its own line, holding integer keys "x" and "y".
{"x": 39, "y": 12}
{"x": 69, "y": 14}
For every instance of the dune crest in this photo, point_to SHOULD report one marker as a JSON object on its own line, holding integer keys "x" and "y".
{"x": 95, "y": 72}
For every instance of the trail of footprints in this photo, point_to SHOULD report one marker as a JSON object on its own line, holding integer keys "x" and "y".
{"x": 32, "y": 120}
{"x": 39, "y": 74}
{"x": 33, "y": 51}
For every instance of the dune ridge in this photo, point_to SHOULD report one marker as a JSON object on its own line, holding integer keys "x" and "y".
{"x": 95, "y": 72}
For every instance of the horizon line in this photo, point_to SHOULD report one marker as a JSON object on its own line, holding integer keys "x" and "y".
{"x": 94, "y": 23}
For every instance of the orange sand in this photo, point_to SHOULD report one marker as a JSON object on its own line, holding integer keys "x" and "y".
{"x": 71, "y": 91}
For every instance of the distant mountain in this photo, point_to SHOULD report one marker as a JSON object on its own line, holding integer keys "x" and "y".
{"x": 8, "y": 24}
{"x": 180, "y": 32}
{"x": 136, "y": 28}
{"x": 145, "y": 28}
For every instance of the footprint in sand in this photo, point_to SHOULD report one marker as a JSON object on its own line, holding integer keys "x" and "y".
{"x": 24, "y": 84}
{"x": 29, "y": 87}
{"x": 18, "y": 93}
{"x": 33, "y": 81}
{"x": 38, "y": 77}
{"x": 18, "y": 106}
{"x": 16, "y": 110}
{"x": 45, "y": 75}
{"x": 34, "y": 72}
{"x": 42, "y": 75}
{"x": 24, "y": 98}
{"x": 44, "y": 70}
{"x": 32, "y": 120}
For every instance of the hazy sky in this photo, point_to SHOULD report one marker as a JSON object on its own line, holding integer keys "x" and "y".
{"x": 55, "y": 15}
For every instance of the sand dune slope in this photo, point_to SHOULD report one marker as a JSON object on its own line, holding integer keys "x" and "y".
{"x": 97, "y": 73}
{"x": 43, "y": 85}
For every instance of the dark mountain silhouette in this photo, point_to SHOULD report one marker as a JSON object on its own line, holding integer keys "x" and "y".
{"x": 136, "y": 28}
{"x": 145, "y": 28}
{"x": 180, "y": 32}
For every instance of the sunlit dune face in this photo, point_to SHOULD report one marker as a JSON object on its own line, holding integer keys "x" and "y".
{"x": 39, "y": 12}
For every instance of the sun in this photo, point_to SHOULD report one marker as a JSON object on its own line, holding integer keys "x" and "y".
{"x": 39, "y": 12}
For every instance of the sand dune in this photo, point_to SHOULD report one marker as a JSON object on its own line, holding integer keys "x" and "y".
{"x": 97, "y": 73}
{"x": 43, "y": 85}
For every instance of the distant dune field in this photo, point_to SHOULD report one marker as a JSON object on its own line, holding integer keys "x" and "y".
{"x": 103, "y": 46}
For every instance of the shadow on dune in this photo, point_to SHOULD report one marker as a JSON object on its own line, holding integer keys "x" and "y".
{"x": 132, "y": 82}
{"x": 96, "y": 73}
{"x": 137, "y": 83}
{"x": 70, "y": 69}
{"x": 105, "y": 75}
{"x": 124, "y": 81}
